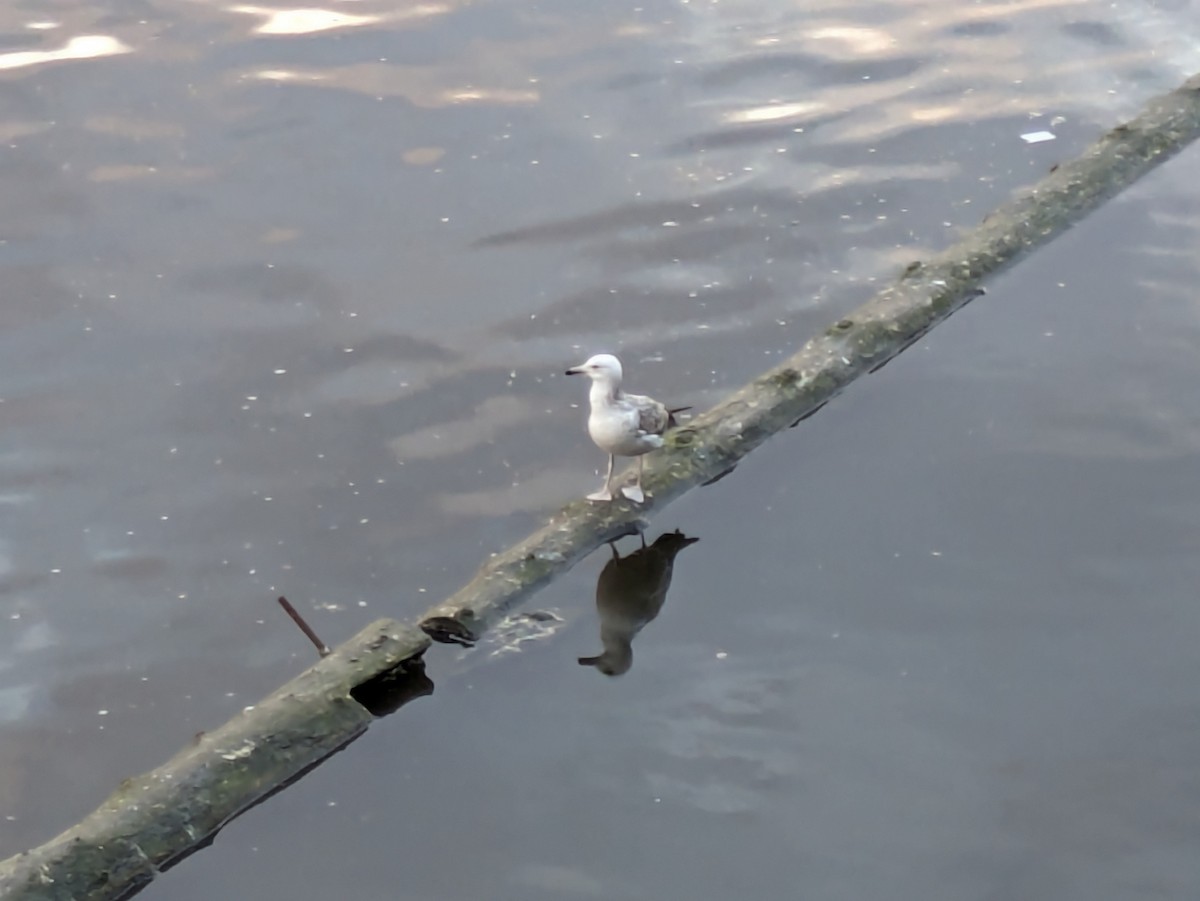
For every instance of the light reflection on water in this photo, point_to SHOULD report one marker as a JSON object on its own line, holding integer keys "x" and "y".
{"x": 89, "y": 46}
{"x": 285, "y": 290}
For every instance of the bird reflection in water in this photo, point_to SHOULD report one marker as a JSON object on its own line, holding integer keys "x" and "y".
{"x": 629, "y": 594}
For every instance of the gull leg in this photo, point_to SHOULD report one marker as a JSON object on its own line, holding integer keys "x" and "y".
{"x": 634, "y": 492}
{"x": 605, "y": 493}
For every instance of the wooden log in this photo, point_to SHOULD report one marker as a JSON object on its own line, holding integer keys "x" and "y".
{"x": 154, "y": 820}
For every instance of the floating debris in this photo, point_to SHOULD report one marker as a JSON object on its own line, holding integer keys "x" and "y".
{"x": 1037, "y": 137}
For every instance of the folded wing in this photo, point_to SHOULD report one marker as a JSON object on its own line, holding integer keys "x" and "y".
{"x": 653, "y": 417}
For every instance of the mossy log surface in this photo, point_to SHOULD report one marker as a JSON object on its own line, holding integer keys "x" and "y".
{"x": 154, "y": 820}
{"x": 922, "y": 296}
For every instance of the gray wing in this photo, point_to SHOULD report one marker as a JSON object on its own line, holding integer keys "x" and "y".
{"x": 653, "y": 417}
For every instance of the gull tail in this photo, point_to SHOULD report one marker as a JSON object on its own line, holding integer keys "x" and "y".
{"x": 671, "y": 420}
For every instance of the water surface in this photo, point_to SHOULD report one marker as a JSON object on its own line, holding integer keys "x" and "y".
{"x": 287, "y": 296}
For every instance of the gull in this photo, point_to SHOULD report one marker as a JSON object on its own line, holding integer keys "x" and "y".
{"x": 625, "y": 425}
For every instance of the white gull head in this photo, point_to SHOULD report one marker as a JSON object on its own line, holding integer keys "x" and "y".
{"x": 603, "y": 368}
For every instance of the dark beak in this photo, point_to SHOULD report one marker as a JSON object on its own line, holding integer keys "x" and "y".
{"x": 574, "y": 370}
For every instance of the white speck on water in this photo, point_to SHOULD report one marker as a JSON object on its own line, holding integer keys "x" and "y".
{"x": 935, "y": 553}
{"x": 56, "y": 570}
{"x": 101, "y": 713}
{"x": 280, "y": 371}
{"x": 1037, "y": 137}
{"x": 721, "y": 655}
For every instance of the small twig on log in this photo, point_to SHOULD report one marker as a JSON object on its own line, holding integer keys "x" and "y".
{"x": 291, "y": 611}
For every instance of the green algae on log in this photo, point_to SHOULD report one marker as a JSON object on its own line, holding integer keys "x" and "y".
{"x": 924, "y": 294}
{"x": 154, "y": 820}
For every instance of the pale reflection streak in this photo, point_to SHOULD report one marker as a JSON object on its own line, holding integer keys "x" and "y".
{"x": 130, "y": 171}
{"x": 88, "y": 46}
{"x": 419, "y": 86}
{"x": 775, "y": 112}
{"x": 311, "y": 20}
{"x": 302, "y": 21}
{"x": 493, "y": 417}
{"x": 857, "y": 40}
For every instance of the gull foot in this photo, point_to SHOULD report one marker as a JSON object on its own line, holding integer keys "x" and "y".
{"x": 602, "y": 495}
{"x": 634, "y": 493}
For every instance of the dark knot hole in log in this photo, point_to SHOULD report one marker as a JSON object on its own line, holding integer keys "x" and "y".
{"x": 389, "y": 691}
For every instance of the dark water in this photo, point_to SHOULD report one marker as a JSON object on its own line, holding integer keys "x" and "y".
{"x": 284, "y": 306}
